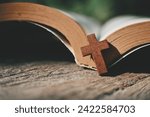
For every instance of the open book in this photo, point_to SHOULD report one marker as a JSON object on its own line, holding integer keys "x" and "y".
{"x": 116, "y": 39}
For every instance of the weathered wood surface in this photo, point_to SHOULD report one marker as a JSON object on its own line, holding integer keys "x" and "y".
{"x": 66, "y": 80}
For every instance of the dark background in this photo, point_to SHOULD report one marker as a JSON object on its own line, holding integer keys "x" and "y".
{"x": 100, "y": 9}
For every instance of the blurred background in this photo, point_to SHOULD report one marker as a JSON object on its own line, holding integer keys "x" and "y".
{"x": 100, "y": 9}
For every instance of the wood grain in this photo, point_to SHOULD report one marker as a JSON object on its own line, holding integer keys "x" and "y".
{"x": 65, "y": 80}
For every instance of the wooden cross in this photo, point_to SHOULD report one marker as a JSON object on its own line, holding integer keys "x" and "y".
{"x": 94, "y": 48}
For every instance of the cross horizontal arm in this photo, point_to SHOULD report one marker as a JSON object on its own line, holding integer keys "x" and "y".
{"x": 103, "y": 45}
{"x": 86, "y": 50}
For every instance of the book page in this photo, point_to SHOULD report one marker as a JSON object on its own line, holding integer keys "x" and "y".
{"x": 119, "y": 22}
{"x": 90, "y": 25}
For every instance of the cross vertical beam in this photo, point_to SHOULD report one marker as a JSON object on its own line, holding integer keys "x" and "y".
{"x": 95, "y": 49}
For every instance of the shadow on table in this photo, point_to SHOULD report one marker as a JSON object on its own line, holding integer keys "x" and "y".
{"x": 137, "y": 62}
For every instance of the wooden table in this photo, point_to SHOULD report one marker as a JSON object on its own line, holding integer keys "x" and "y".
{"x": 52, "y": 79}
